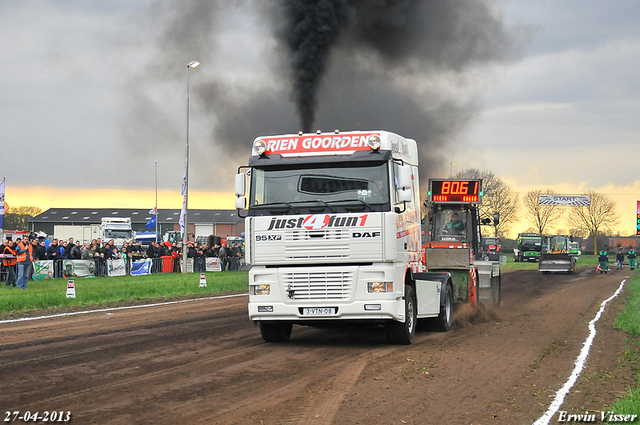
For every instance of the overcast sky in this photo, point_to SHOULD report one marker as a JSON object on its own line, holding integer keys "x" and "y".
{"x": 541, "y": 92}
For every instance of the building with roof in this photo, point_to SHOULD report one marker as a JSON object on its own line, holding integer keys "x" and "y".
{"x": 85, "y": 221}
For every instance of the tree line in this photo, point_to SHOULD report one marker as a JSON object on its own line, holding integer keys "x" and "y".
{"x": 17, "y": 218}
{"x": 599, "y": 216}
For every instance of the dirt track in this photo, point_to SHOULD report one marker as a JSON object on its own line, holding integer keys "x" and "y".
{"x": 204, "y": 362}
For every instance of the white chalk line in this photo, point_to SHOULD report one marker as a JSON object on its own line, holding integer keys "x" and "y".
{"x": 24, "y": 319}
{"x": 580, "y": 361}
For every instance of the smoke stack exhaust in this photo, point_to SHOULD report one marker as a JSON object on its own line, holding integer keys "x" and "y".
{"x": 314, "y": 26}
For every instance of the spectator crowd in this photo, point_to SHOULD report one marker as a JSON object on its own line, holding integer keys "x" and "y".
{"x": 231, "y": 256}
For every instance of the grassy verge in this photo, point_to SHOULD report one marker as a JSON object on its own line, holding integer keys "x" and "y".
{"x": 583, "y": 260}
{"x": 101, "y": 291}
{"x": 629, "y": 322}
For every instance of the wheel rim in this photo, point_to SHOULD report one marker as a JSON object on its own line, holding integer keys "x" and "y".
{"x": 410, "y": 320}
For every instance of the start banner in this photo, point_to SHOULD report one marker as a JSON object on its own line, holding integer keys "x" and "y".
{"x": 577, "y": 201}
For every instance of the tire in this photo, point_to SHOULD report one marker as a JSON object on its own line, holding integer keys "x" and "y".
{"x": 275, "y": 331}
{"x": 403, "y": 333}
{"x": 442, "y": 323}
{"x": 496, "y": 292}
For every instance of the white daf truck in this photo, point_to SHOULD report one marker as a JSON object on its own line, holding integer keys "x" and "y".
{"x": 333, "y": 234}
{"x": 117, "y": 228}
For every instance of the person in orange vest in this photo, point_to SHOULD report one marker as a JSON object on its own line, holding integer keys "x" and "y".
{"x": 24, "y": 256}
{"x": 9, "y": 263}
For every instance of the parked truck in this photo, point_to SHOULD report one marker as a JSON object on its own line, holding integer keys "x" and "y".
{"x": 332, "y": 232}
{"x": 558, "y": 257}
{"x": 83, "y": 234}
{"x": 116, "y": 228}
{"x": 453, "y": 241}
{"x": 529, "y": 247}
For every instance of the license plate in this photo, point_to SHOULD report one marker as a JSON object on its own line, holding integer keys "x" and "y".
{"x": 318, "y": 311}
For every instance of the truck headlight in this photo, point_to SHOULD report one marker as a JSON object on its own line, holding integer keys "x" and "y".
{"x": 264, "y": 289}
{"x": 373, "y": 287}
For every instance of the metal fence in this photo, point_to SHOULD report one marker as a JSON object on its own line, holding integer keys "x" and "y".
{"x": 64, "y": 268}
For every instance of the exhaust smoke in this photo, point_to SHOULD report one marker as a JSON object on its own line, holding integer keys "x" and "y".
{"x": 414, "y": 67}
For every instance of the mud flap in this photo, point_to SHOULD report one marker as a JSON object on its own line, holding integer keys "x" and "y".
{"x": 430, "y": 292}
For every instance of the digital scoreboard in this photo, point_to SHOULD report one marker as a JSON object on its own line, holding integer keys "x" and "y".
{"x": 447, "y": 191}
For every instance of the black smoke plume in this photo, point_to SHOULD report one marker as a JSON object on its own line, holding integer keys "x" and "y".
{"x": 313, "y": 27}
{"x": 414, "y": 67}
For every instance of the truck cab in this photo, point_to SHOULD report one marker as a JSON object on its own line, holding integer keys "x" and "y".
{"x": 332, "y": 232}
{"x": 117, "y": 229}
{"x": 530, "y": 245}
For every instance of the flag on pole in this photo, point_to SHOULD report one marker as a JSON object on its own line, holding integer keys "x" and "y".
{"x": 2, "y": 203}
{"x": 153, "y": 211}
{"x": 152, "y": 222}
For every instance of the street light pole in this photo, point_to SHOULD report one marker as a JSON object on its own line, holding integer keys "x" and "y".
{"x": 185, "y": 235}
{"x": 451, "y": 169}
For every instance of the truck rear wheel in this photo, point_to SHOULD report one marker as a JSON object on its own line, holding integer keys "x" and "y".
{"x": 275, "y": 331}
{"x": 403, "y": 333}
{"x": 442, "y": 323}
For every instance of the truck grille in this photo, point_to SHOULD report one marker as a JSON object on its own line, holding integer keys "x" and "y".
{"x": 329, "y": 244}
{"x": 328, "y": 285}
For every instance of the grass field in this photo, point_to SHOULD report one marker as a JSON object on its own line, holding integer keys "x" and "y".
{"x": 629, "y": 322}
{"x": 583, "y": 260}
{"x": 101, "y": 291}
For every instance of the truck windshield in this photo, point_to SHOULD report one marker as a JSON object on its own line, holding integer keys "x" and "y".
{"x": 337, "y": 187}
{"x": 117, "y": 234}
{"x": 531, "y": 244}
{"x": 558, "y": 244}
{"x": 489, "y": 241}
{"x": 451, "y": 225}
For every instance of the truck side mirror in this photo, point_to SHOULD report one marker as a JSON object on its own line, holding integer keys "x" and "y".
{"x": 404, "y": 195}
{"x": 241, "y": 201}
{"x": 404, "y": 176}
{"x": 240, "y": 184}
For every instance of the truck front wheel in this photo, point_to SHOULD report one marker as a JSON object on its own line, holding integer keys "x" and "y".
{"x": 275, "y": 331}
{"x": 403, "y": 333}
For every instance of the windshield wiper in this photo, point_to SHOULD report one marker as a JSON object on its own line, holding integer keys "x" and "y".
{"x": 308, "y": 201}
{"x": 326, "y": 205}
{"x": 359, "y": 200}
{"x": 278, "y": 205}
